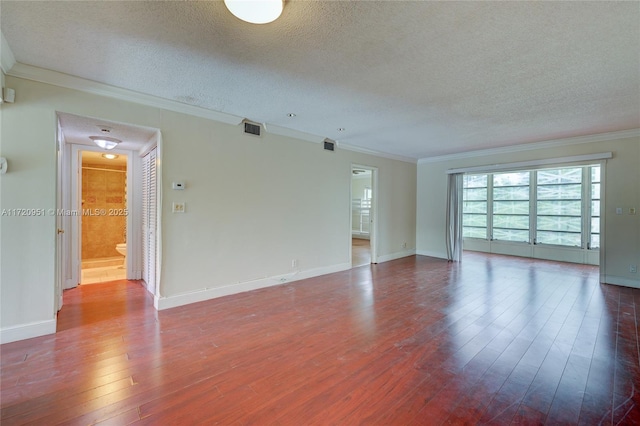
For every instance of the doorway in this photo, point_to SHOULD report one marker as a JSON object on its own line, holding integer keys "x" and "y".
{"x": 104, "y": 225}
{"x": 100, "y": 200}
{"x": 363, "y": 202}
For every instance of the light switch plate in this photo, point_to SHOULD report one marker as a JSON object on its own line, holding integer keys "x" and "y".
{"x": 618, "y": 210}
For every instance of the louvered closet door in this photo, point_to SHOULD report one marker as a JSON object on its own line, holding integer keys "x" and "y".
{"x": 149, "y": 221}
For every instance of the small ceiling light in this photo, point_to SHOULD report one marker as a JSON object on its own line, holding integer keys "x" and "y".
{"x": 110, "y": 156}
{"x": 291, "y": 115}
{"x": 341, "y": 129}
{"x": 255, "y": 11}
{"x": 105, "y": 142}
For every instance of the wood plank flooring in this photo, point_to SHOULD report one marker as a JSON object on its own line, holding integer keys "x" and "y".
{"x": 360, "y": 252}
{"x": 415, "y": 341}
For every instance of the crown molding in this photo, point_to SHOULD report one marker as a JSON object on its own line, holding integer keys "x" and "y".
{"x": 376, "y": 153}
{"x": 599, "y": 137}
{"x": 55, "y": 78}
{"x": 7, "y": 60}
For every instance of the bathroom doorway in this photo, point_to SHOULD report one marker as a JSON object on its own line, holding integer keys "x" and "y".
{"x": 93, "y": 191}
{"x": 104, "y": 217}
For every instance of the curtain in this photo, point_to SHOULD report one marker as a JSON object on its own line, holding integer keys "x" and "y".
{"x": 454, "y": 217}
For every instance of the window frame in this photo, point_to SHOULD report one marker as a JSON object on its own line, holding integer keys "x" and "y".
{"x": 586, "y": 206}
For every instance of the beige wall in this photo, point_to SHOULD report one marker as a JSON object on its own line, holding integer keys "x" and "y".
{"x": 252, "y": 204}
{"x": 103, "y": 190}
{"x": 622, "y": 189}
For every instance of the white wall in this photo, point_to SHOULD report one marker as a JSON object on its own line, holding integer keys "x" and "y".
{"x": 252, "y": 204}
{"x": 621, "y": 189}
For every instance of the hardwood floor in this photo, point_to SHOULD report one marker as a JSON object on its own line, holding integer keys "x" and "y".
{"x": 360, "y": 252}
{"x": 493, "y": 340}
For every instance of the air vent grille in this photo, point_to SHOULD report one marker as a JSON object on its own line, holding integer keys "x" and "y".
{"x": 251, "y": 128}
{"x": 329, "y": 145}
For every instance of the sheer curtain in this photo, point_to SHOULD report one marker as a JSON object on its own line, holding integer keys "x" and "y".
{"x": 454, "y": 217}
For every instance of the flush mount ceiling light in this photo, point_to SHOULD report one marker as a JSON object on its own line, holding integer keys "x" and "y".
{"x": 105, "y": 142}
{"x": 255, "y": 11}
{"x": 110, "y": 156}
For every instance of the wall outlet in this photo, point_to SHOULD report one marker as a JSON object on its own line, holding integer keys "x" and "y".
{"x": 633, "y": 269}
{"x": 404, "y": 244}
{"x": 632, "y": 210}
{"x": 179, "y": 207}
{"x": 294, "y": 263}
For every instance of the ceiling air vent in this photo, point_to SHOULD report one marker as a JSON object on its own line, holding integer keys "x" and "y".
{"x": 252, "y": 128}
{"x": 329, "y": 145}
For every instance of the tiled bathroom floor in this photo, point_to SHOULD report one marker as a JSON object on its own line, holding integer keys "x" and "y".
{"x": 102, "y": 274}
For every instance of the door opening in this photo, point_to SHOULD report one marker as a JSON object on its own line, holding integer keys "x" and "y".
{"x": 100, "y": 203}
{"x": 363, "y": 202}
{"x": 104, "y": 204}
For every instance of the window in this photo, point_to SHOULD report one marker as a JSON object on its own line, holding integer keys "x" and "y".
{"x": 594, "y": 242}
{"x": 367, "y": 193}
{"x": 558, "y": 207}
{"x": 511, "y": 206}
{"x": 474, "y": 206}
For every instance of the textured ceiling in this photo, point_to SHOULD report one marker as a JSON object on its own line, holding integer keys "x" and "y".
{"x": 412, "y": 78}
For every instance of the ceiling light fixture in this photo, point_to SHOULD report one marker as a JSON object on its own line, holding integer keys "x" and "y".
{"x": 291, "y": 115}
{"x": 110, "y": 156}
{"x": 105, "y": 142}
{"x": 341, "y": 129}
{"x": 255, "y": 11}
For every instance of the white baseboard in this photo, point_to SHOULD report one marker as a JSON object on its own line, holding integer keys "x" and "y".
{"x": 162, "y": 303}
{"x": 431, "y": 254}
{"x": 397, "y": 255}
{"x": 627, "y": 282}
{"x": 27, "y": 331}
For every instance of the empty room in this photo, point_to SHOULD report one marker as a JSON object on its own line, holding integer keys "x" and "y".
{"x": 319, "y": 212}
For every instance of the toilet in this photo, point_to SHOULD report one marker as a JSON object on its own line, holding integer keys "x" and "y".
{"x": 122, "y": 249}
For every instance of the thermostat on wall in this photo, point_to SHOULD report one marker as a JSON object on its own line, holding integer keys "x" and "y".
{"x": 178, "y": 185}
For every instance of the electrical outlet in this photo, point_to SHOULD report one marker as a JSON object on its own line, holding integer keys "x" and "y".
{"x": 179, "y": 207}
{"x": 404, "y": 244}
{"x": 618, "y": 210}
{"x": 632, "y": 210}
{"x": 294, "y": 263}
{"x": 633, "y": 269}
